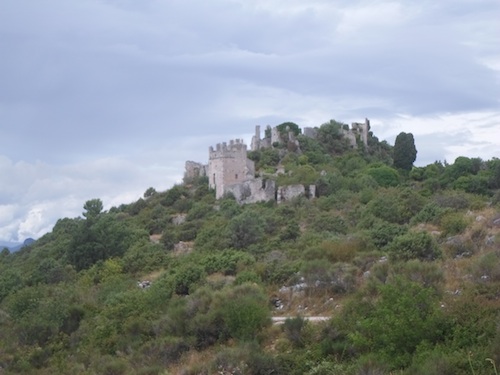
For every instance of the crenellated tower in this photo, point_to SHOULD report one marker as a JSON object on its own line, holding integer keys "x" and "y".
{"x": 228, "y": 165}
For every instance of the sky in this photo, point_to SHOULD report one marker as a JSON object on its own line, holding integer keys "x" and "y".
{"x": 106, "y": 98}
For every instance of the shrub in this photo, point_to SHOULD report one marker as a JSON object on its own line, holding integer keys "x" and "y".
{"x": 226, "y": 262}
{"x": 383, "y": 233}
{"x": 247, "y": 277}
{"x": 453, "y": 223}
{"x": 186, "y": 277}
{"x": 384, "y": 176}
{"x": 293, "y": 329}
{"x": 245, "y": 229}
{"x": 414, "y": 245}
{"x": 245, "y": 312}
{"x": 392, "y": 326}
{"x": 427, "y": 274}
{"x": 329, "y": 223}
{"x": 430, "y": 213}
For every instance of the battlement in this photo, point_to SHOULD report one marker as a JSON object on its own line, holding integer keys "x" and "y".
{"x": 235, "y": 148}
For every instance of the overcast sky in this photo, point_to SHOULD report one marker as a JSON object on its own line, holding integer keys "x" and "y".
{"x": 105, "y": 98}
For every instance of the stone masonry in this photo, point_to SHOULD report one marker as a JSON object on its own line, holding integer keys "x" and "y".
{"x": 228, "y": 165}
{"x": 230, "y": 171}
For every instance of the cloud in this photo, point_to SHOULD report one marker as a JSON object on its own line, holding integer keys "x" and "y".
{"x": 105, "y": 98}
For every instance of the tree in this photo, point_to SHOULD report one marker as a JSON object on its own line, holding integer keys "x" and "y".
{"x": 93, "y": 209}
{"x": 293, "y": 127}
{"x": 330, "y": 136}
{"x": 405, "y": 152}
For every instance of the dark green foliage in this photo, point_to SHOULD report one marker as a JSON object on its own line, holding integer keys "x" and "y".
{"x": 245, "y": 229}
{"x": 226, "y": 262}
{"x": 494, "y": 173}
{"x": 405, "y": 152}
{"x": 383, "y": 233}
{"x": 430, "y": 213}
{"x": 414, "y": 245}
{"x": 455, "y": 200}
{"x": 10, "y": 280}
{"x": 48, "y": 271}
{"x": 294, "y": 330}
{"x": 472, "y": 184}
{"x": 291, "y": 126}
{"x": 331, "y": 138}
{"x": 212, "y": 236}
{"x": 453, "y": 223}
{"x": 392, "y": 326}
{"x": 150, "y": 192}
{"x": 173, "y": 195}
{"x": 313, "y": 150}
{"x": 329, "y": 223}
{"x": 384, "y": 176}
{"x": 93, "y": 208}
{"x": 186, "y": 278}
{"x": 98, "y": 238}
{"x": 396, "y": 206}
{"x": 144, "y": 257}
{"x": 246, "y": 312}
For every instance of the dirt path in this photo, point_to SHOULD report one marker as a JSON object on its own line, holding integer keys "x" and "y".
{"x": 281, "y": 319}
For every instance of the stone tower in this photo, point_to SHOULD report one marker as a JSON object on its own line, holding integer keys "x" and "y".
{"x": 228, "y": 165}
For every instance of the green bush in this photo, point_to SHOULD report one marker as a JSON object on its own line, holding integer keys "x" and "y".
{"x": 246, "y": 229}
{"x": 329, "y": 223}
{"x": 226, "y": 262}
{"x": 414, "y": 245}
{"x": 383, "y": 233}
{"x": 244, "y": 311}
{"x": 430, "y": 213}
{"x": 294, "y": 330}
{"x": 453, "y": 223}
{"x": 384, "y": 176}
{"x": 392, "y": 326}
{"x": 186, "y": 278}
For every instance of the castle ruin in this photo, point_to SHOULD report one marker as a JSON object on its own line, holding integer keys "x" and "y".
{"x": 229, "y": 170}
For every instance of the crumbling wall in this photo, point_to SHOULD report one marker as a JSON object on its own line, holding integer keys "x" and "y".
{"x": 253, "y": 191}
{"x": 194, "y": 170}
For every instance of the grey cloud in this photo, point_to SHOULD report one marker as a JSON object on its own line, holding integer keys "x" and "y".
{"x": 107, "y": 95}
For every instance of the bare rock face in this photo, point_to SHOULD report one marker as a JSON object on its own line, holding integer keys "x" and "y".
{"x": 183, "y": 248}
{"x": 179, "y": 219}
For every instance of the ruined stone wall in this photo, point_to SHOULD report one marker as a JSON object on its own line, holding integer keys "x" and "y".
{"x": 256, "y": 139}
{"x": 288, "y": 192}
{"x": 253, "y": 191}
{"x": 275, "y": 136}
{"x": 351, "y": 137}
{"x": 194, "y": 170}
{"x": 228, "y": 165}
{"x": 310, "y": 132}
{"x": 362, "y": 130}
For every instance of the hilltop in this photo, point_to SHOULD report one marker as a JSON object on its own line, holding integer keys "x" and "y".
{"x": 404, "y": 261}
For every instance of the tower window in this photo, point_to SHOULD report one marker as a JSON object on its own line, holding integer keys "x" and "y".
{"x": 236, "y": 176}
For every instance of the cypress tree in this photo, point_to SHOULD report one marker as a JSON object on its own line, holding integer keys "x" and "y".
{"x": 405, "y": 152}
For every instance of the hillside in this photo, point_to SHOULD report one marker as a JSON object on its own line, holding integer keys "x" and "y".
{"x": 405, "y": 263}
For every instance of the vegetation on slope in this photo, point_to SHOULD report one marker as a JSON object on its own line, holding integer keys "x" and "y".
{"x": 406, "y": 262}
